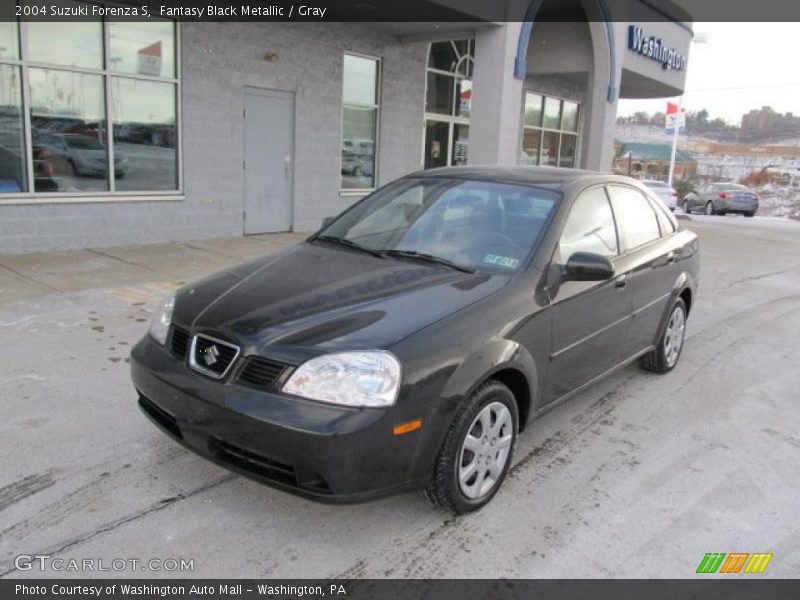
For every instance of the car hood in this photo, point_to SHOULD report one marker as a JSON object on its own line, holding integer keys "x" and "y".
{"x": 315, "y": 298}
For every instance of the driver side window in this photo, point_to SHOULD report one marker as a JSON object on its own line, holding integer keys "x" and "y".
{"x": 590, "y": 226}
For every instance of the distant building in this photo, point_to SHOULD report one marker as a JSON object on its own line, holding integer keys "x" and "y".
{"x": 651, "y": 161}
{"x": 766, "y": 120}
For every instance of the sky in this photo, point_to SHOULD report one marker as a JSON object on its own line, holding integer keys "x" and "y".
{"x": 742, "y": 66}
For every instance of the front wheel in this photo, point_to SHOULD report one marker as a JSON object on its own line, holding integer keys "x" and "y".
{"x": 666, "y": 354}
{"x": 709, "y": 208}
{"x": 477, "y": 450}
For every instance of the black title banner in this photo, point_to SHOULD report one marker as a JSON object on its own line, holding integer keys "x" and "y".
{"x": 501, "y": 589}
{"x": 422, "y": 11}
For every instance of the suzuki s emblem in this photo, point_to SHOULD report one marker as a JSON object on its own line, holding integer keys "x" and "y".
{"x": 210, "y": 355}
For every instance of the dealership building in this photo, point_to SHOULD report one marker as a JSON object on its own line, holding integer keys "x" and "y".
{"x": 129, "y": 132}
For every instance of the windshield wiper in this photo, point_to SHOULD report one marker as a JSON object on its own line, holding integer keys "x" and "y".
{"x": 428, "y": 258}
{"x": 345, "y": 242}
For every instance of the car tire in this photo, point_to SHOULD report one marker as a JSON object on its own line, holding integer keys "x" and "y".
{"x": 686, "y": 208}
{"x": 453, "y": 486}
{"x": 663, "y": 358}
{"x": 750, "y": 214}
{"x": 709, "y": 208}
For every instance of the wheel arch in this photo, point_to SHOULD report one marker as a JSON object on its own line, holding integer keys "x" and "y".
{"x": 505, "y": 361}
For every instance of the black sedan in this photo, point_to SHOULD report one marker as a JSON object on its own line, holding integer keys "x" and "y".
{"x": 408, "y": 342}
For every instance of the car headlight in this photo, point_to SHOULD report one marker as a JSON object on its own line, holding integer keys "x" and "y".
{"x": 162, "y": 318}
{"x": 370, "y": 378}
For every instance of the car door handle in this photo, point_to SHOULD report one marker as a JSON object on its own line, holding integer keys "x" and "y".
{"x": 620, "y": 281}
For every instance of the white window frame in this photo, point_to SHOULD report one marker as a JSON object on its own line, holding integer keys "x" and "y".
{"x": 343, "y": 191}
{"x": 542, "y": 129}
{"x": 92, "y": 196}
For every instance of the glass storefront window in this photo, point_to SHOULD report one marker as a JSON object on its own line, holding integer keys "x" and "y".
{"x": 463, "y": 97}
{"x": 360, "y": 80}
{"x": 566, "y": 155}
{"x": 9, "y": 40}
{"x": 460, "y": 144}
{"x": 359, "y": 122}
{"x": 13, "y": 174}
{"x": 70, "y": 43}
{"x": 142, "y": 48}
{"x": 549, "y": 156}
{"x": 439, "y": 97}
{"x": 550, "y": 131}
{"x": 531, "y": 142}
{"x": 68, "y": 128}
{"x": 144, "y": 135}
{"x": 437, "y": 142}
{"x": 448, "y": 102}
{"x": 569, "y": 118}
{"x": 552, "y": 113}
{"x": 67, "y": 78}
{"x": 533, "y": 110}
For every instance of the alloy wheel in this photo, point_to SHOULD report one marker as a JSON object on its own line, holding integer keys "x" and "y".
{"x": 485, "y": 451}
{"x": 673, "y": 336}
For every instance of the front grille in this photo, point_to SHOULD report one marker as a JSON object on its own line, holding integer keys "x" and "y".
{"x": 212, "y": 356}
{"x": 255, "y": 463}
{"x": 180, "y": 341}
{"x": 261, "y": 373}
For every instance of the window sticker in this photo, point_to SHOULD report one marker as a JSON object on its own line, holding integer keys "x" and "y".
{"x": 501, "y": 261}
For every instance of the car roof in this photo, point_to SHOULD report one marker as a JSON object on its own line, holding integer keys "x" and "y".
{"x": 555, "y": 177}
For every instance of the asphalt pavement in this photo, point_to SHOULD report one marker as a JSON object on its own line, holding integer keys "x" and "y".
{"x": 639, "y": 476}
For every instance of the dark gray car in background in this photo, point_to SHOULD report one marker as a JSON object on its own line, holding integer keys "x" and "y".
{"x": 722, "y": 198}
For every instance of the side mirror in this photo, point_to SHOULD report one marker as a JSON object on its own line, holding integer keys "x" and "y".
{"x": 588, "y": 266}
{"x": 327, "y": 221}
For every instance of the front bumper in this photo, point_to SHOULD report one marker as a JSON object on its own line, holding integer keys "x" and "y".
{"x": 323, "y": 452}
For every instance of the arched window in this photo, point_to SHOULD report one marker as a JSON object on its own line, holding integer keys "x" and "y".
{"x": 448, "y": 100}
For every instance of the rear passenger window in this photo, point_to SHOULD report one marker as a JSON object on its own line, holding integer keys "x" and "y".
{"x": 635, "y": 215}
{"x": 590, "y": 226}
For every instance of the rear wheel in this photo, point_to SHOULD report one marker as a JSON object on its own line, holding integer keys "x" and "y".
{"x": 686, "y": 207}
{"x": 666, "y": 354}
{"x": 709, "y": 208}
{"x": 477, "y": 450}
{"x": 749, "y": 214}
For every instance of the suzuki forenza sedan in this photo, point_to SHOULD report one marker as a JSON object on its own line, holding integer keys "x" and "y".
{"x": 408, "y": 342}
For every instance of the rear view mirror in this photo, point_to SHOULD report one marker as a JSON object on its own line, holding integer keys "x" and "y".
{"x": 588, "y": 266}
{"x": 327, "y": 221}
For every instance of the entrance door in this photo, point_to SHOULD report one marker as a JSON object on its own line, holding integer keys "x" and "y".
{"x": 268, "y": 160}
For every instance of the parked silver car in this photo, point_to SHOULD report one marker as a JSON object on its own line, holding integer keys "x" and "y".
{"x": 666, "y": 192}
{"x": 722, "y": 198}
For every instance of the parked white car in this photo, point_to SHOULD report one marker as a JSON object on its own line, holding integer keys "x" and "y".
{"x": 663, "y": 191}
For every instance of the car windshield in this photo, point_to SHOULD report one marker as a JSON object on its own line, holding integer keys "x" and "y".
{"x": 83, "y": 143}
{"x": 477, "y": 225}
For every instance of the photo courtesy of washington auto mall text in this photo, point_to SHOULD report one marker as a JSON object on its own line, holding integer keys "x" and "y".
{"x": 400, "y": 299}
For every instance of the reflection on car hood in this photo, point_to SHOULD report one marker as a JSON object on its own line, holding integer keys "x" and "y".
{"x": 321, "y": 296}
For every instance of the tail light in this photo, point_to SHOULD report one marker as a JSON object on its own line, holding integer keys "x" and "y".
{"x": 723, "y": 196}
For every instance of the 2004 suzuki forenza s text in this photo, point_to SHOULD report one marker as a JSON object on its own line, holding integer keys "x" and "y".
{"x": 408, "y": 342}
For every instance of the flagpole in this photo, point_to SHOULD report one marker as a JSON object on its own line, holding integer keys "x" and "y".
{"x": 675, "y": 129}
